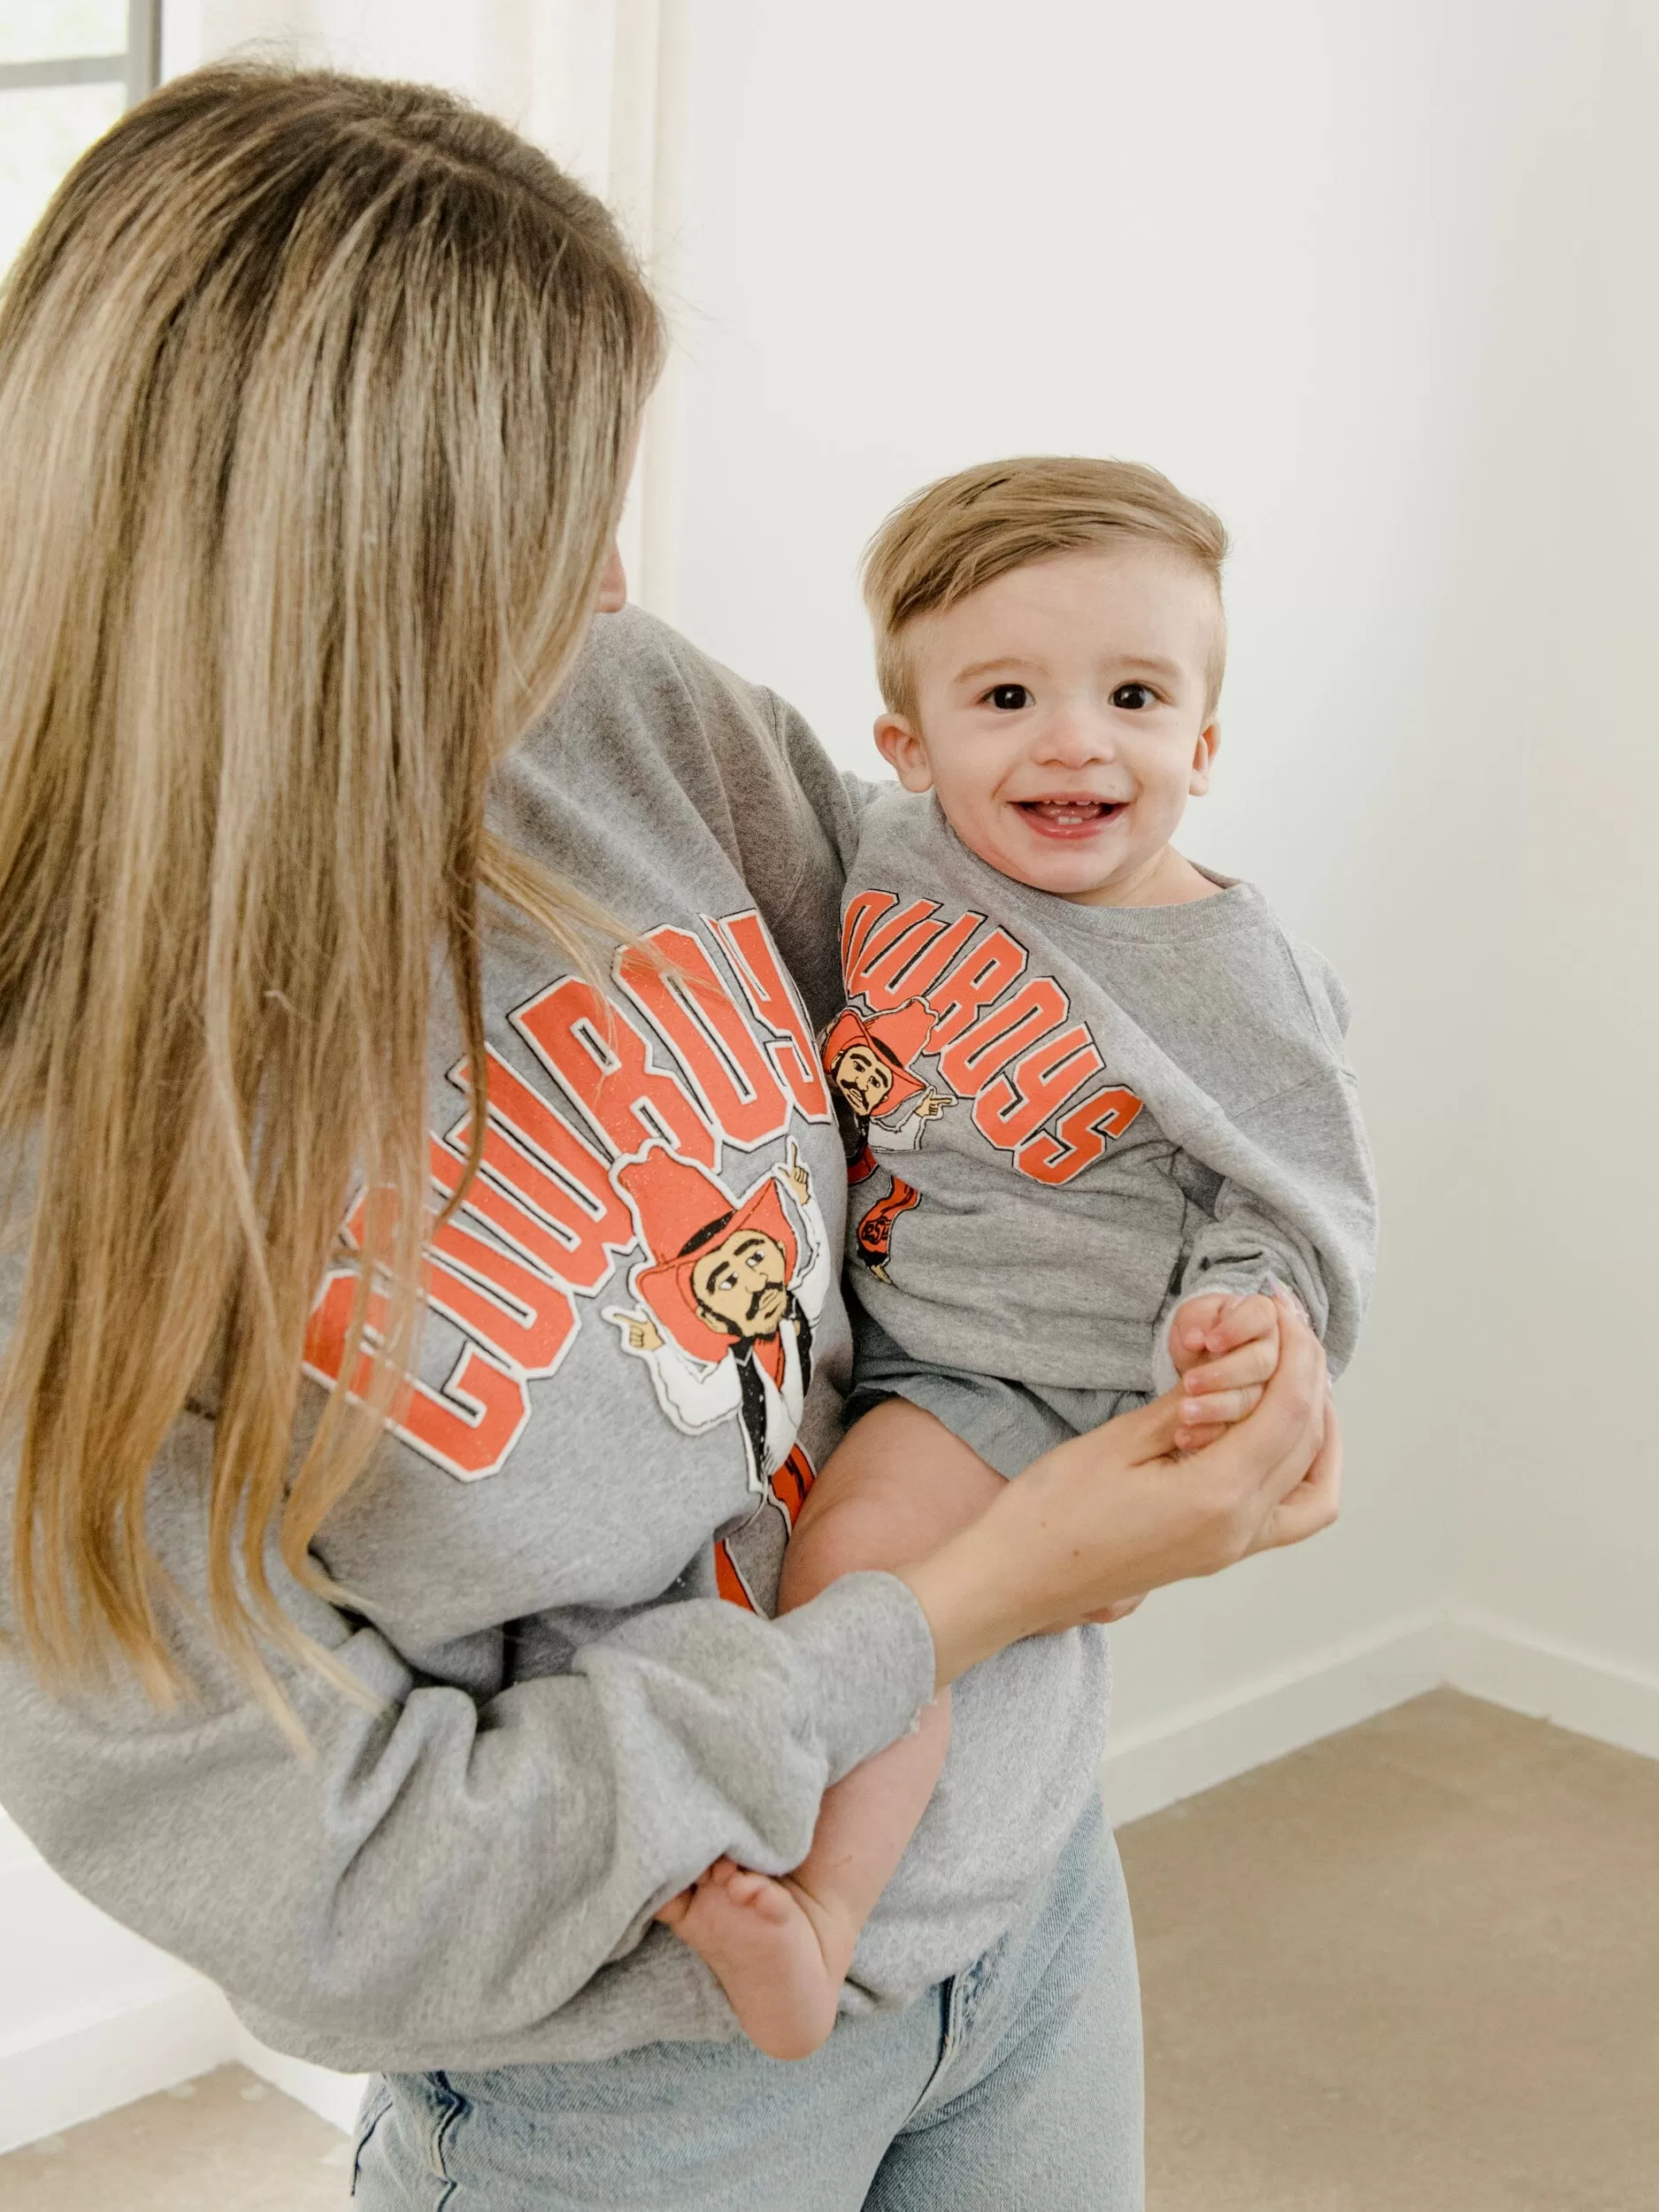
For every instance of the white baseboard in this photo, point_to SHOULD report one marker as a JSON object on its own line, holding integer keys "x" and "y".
{"x": 78, "y": 2071}
{"x": 333, "y": 2097}
{"x": 91, "y": 2016}
{"x": 1573, "y": 1688}
{"x": 1202, "y": 1745}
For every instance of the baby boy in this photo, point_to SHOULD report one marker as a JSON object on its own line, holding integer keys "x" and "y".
{"x": 1100, "y": 1117}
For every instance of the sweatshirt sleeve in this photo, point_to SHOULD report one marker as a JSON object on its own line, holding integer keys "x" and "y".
{"x": 1304, "y": 1221}
{"x": 451, "y": 1864}
{"x": 862, "y": 793}
{"x": 782, "y": 812}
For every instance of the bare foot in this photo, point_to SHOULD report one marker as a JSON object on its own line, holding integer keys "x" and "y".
{"x": 766, "y": 1942}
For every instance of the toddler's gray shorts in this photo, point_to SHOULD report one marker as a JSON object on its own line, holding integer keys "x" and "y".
{"x": 1009, "y": 1423}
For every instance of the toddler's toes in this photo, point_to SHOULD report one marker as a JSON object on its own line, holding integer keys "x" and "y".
{"x": 773, "y": 1903}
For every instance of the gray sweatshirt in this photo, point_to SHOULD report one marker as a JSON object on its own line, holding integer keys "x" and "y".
{"x": 563, "y": 1563}
{"x": 1068, "y": 1118}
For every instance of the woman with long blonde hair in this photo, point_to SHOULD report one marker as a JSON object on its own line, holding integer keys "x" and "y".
{"x": 397, "y": 1079}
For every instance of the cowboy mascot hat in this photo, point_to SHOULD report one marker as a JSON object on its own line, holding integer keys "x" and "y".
{"x": 895, "y": 1039}
{"x": 682, "y": 1211}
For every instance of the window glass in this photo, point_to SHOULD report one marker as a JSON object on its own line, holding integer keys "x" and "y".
{"x": 46, "y": 30}
{"x": 43, "y": 131}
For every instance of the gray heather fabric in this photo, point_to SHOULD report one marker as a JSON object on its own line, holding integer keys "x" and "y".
{"x": 1081, "y": 1115}
{"x": 568, "y": 1723}
{"x": 1009, "y": 1423}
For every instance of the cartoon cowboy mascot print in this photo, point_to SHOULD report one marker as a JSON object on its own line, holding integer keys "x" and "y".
{"x": 869, "y": 1061}
{"x": 728, "y": 1301}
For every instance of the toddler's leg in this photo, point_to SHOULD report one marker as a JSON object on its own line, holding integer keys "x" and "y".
{"x": 899, "y": 1484}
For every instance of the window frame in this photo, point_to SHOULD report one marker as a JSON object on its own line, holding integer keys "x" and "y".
{"x": 137, "y": 65}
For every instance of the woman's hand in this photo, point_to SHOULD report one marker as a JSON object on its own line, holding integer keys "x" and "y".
{"x": 1108, "y": 1515}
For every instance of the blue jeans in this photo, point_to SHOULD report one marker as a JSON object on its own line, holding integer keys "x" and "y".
{"x": 1015, "y": 2086}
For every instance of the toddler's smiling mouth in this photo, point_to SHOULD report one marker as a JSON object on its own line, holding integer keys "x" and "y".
{"x": 1070, "y": 816}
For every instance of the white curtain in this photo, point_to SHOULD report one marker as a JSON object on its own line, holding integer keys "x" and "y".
{"x": 591, "y": 80}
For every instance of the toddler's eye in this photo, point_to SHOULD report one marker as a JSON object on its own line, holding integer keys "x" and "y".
{"x": 1135, "y": 698}
{"x": 1008, "y": 696}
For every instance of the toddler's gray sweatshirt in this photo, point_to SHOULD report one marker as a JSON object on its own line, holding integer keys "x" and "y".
{"x": 1068, "y": 1118}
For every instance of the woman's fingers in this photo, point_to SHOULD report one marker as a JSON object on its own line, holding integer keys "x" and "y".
{"x": 1263, "y": 1458}
{"x": 1314, "y": 1503}
{"x": 1218, "y": 1409}
{"x": 1192, "y": 1440}
{"x": 1149, "y": 1433}
{"x": 1298, "y": 1391}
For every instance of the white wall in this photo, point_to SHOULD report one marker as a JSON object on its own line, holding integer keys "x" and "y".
{"x": 1261, "y": 247}
{"x": 1561, "y": 1542}
{"x": 89, "y": 2016}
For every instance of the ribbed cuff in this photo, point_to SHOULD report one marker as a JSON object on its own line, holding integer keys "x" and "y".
{"x": 868, "y": 1648}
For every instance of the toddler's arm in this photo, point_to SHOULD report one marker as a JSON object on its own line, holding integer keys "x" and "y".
{"x": 1300, "y": 1216}
{"x": 896, "y": 1487}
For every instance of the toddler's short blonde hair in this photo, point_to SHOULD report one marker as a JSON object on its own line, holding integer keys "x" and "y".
{"x": 958, "y": 534}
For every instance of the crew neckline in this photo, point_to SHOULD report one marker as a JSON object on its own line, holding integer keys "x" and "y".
{"x": 1235, "y": 905}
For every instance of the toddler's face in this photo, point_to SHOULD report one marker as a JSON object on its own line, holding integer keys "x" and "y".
{"x": 1060, "y": 716}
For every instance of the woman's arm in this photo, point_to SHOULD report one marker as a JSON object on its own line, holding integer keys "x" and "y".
{"x": 455, "y": 1860}
{"x": 450, "y": 1867}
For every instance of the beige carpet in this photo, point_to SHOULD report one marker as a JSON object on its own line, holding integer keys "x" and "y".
{"x": 1414, "y": 1969}
{"x": 223, "y": 2144}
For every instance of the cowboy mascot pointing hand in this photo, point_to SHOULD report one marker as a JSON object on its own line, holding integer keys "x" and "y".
{"x": 869, "y": 1060}
{"x": 728, "y": 1300}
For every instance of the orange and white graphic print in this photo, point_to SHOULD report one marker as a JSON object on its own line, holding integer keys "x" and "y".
{"x": 1003, "y": 1040}
{"x": 868, "y": 1061}
{"x": 728, "y": 1298}
{"x": 651, "y": 1085}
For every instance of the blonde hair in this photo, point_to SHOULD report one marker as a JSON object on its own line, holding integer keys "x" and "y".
{"x": 319, "y": 396}
{"x": 948, "y": 539}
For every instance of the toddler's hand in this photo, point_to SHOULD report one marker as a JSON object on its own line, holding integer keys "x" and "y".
{"x": 1224, "y": 1348}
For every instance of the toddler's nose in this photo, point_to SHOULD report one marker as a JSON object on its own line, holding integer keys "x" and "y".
{"x": 1074, "y": 741}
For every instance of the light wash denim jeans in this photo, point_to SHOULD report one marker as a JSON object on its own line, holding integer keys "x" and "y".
{"x": 1015, "y": 2086}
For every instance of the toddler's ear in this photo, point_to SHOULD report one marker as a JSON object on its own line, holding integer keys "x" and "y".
{"x": 902, "y": 749}
{"x": 1203, "y": 758}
